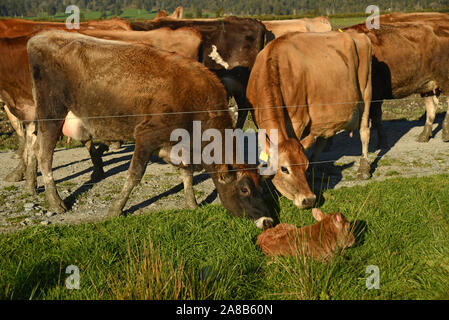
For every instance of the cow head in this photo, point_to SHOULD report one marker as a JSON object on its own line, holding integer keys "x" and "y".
{"x": 290, "y": 177}
{"x": 240, "y": 191}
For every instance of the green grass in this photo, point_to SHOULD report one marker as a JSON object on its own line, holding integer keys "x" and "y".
{"x": 207, "y": 254}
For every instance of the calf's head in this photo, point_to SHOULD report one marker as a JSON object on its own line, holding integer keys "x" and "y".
{"x": 240, "y": 191}
{"x": 290, "y": 177}
{"x": 337, "y": 225}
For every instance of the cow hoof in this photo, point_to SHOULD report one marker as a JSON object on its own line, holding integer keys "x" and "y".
{"x": 364, "y": 170}
{"x": 114, "y": 212}
{"x": 423, "y": 138}
{"x": 425, "y": 135}
{"x": 363, "y": 175}
{"x": 445, "y": 136}
{"x": 192, "y": 206}
{"x": 58, "y": 207}
{"x": 14, "y": 177}
{"x": 31, "y": 190}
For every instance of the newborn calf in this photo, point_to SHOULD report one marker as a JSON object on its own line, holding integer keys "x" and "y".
{"x": 320, "y": 240}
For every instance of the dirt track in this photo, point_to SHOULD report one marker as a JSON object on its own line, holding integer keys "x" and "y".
{"x": 161, "y": 187}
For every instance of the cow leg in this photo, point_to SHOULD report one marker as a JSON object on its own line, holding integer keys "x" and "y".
{"x": 376, "y": 117}
{"x": 17, "y": 174}
{"x": 431, "y": 109}
{"x": 445, "y": 136}
{"x": 18, "y": 128}
{"x": 187, "y": 177}
{"x": 48, "y": 134}
{"x": 364, "y": 171}
{"x": 30, "y": 158}
{"x": 139, "y": 161}
{"x": 97, "y": 161}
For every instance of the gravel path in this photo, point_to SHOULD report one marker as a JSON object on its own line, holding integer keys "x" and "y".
{"x": 161, "y": 187}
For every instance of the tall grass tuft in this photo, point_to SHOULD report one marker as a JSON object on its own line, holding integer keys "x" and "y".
{"x": 147, "y": 273}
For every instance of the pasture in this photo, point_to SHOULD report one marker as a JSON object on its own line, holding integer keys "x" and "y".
{"x": 160, "y": 251}
{"x": 207, "y": 254}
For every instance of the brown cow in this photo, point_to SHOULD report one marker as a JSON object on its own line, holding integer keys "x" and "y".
{"x": 15, "y": 84}
{"x": 96, "y": 79}
{"x": 177, "y": 14}
{"x": 409, "y": 57}
{"x": 277, "y": 28}
{"x": 309, "y": 86}
{"x": 230, "y": 46}
{"x": 320, "y": 240}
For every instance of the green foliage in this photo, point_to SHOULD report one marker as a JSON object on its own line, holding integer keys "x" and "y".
{"x": 207, "y": 254}
{"x": 28, "y": 8}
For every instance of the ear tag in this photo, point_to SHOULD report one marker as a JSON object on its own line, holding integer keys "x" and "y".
{"x": 263, "y": 156}
{"x": 340, "y": 30}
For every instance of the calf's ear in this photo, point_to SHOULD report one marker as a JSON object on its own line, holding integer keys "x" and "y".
{"x": 318, "y": 214}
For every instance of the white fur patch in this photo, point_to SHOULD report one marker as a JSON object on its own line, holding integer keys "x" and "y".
{"x": 214, "y": 55}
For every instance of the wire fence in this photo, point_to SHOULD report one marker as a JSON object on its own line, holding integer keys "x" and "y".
{"x": 218, "y": 110}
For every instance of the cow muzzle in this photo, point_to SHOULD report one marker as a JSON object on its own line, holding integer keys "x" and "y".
{"x": 264, "y": 223}
{"x": 304, "y": 202}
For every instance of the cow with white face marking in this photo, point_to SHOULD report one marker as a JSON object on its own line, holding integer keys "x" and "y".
{"x": 229, "y": 48}
{"x": 76, "y": 68}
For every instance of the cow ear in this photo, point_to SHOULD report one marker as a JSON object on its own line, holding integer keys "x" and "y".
{"x": 225, "y": 174}
{"x": 318, "y": 214}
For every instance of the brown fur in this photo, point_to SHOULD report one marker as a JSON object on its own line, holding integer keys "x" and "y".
{"x": 237, "y": 41}
{"x": 409, "y": 57}
{"x": 304, "y": 73}
{"x": 320, "y": 240}
{"x": 15, "y": 83}
{"x": 280, "y": 27}
{"x": 102, "y": 78}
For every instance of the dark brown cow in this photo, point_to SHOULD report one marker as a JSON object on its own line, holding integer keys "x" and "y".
{"x": 96, "y": 79}
{"x": 310, "y": 86}
{"x": 15, "y": 84}
{"x": 409, "y": 57}
{"x": 230, "y": 47}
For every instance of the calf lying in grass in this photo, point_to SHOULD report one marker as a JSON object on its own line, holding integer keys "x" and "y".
{"x": 320, "y": 240}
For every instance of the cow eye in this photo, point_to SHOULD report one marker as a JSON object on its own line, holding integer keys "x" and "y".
{"x": 244, "y": 191}
{"x": 285, "y": 170}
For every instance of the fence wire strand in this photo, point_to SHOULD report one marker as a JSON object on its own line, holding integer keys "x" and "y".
{"x": 216, "y": 110}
